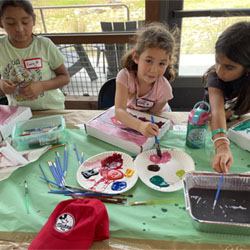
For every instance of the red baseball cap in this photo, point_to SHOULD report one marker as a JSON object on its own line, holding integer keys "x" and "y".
{"x": 74, "y": 224}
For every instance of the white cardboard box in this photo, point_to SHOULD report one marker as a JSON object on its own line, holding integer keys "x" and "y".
{"x": 106, "y": 128}
{"x": 240, "y": 134}
{"x": 9, "y": 116}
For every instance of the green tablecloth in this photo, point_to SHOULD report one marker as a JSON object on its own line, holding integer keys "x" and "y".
{"x": 159, "y": 222}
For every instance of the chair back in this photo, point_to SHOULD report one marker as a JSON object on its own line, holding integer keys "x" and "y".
{"x": 106, "y": 96}
{"x": 114, "y": 52}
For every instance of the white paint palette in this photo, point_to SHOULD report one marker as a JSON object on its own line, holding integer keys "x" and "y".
{"x": 112, "y": 179}
{"x": 163, "y": 174}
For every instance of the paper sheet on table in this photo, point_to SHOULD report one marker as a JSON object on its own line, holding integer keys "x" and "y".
{"x": 11, "y": 160}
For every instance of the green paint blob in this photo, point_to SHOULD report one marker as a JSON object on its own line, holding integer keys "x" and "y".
{"x": 248, "y": 166}
{"x": 164, "y": 210}
{"x": 243, "y": 126}
{"x": 158, "y": 181}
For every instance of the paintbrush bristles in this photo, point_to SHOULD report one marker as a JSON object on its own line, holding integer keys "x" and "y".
{"x": 212, "y": 211}
{"x": 158, "y": 150}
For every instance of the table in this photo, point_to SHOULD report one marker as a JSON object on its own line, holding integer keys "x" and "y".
{"x": 20, "y": 239}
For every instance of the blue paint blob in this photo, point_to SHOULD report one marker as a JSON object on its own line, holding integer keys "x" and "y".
{"x": 158, "y": 181}
{"x": 119, "y": 185}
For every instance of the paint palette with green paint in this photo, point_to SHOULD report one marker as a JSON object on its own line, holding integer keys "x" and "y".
{"x": 163, "y": 174}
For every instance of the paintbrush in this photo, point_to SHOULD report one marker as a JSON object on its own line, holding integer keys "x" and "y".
{"x": 157, "y": 145}
{"x": 84, "y": 189}
{"x": 134, "y": 203}
{"x": 26, "y": 196}
{"x": 45, "y": 177}
{"x": 217, "y": 194}
{"x": 77, "y": 155}
{"x": 108, "y": 200}
{"x": 57, "y": 146}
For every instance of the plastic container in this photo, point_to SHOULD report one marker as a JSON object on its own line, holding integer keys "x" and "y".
{"x": 39, "y": 132}
{"x": 197, "y": 125}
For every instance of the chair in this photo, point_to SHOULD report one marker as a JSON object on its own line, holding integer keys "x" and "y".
{"x": 77, "y": 58}
{"x": 114, "y": 52}
{"x": 106, "y": 96}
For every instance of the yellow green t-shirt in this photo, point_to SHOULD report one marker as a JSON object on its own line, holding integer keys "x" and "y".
{"x": 32, "y": 64}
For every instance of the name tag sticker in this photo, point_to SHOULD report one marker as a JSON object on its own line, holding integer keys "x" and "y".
{"x": 144, "y": 103}
{"x": 33, "y": 63}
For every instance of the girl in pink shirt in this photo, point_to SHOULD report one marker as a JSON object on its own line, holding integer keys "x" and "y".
{"x": 143, "y": 83}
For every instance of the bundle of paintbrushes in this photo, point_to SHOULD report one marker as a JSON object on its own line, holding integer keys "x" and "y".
{"x": 86, "y": 194}
{"x": 58, "y": 170}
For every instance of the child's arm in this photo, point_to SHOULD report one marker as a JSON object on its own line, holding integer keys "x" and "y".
{"x": 32, "y": 90}
{"x": 223, "y": 159}
{"x": 146, "y": 128}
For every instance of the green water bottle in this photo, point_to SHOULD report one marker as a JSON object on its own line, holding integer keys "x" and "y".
{"x": 197, "y": 125}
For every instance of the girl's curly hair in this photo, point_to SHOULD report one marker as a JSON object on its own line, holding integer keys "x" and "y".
{"x": 154, "y": 35}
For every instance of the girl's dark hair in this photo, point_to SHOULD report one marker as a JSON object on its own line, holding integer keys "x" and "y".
{"x": 234, "y": 43}
{"x": 154, "y": 35}
{"x": 24, "y": 4}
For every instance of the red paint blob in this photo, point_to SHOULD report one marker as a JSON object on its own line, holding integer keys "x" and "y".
{"x": 114, "y": 161}
{"x": 115, "y": 174}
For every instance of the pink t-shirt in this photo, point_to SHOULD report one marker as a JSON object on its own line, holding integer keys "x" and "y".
{"x": 161, "y": 91}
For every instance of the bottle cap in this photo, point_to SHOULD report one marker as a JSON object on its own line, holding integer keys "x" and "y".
{"x": 199, "y": 115}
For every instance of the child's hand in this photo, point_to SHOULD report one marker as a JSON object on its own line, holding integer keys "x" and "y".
{"x": 223, "y": 159}
{"x": 149, "y": 129}
{"x": 31, "y": 90}
{"x": 7, "y": 87}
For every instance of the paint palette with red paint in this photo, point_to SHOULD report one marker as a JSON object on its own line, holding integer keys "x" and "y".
{"x": 163, "y": 174}
{"x": 109, "y": 172}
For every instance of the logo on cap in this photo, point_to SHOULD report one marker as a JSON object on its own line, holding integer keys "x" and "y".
{"x": 64, "y": 222}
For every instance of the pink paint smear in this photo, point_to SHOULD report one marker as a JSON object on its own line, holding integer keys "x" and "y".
{"x": 118, "y": 132}
{"x": 166, "y": 157}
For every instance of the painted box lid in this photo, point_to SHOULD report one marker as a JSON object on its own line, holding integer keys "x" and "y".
{"x": 107, "y": 128}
